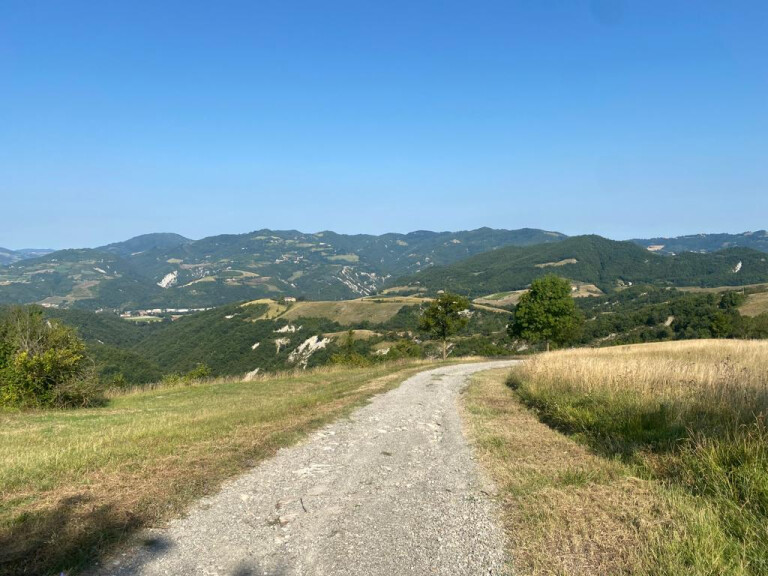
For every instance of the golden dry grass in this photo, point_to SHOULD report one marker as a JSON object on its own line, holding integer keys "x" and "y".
{"x": 403, "y": 289}
{"x": 274, "y": 308}
{"x": 755, "y": 305}
{"x": 347, "y": 312}
{"x": 581, "y": 290}
{"x": 356, "y": 334}
{"x": 487, "y": 308}
{"x": 718, "y": 289}
{"x": 730, "y": 374}
{"x": 501, "y": 298}
{"x": 565, "y": 510}
{"x": 692, "y": 416}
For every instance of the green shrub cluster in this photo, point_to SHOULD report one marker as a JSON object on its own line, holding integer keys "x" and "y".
{"x": 652, "y": 314}
{"x": 43, "y": 363}
{"x": 199, "y": 372}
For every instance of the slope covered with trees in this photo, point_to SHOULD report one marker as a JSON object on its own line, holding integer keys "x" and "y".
{"x": 168, "y": 270}
{"x": 608, "y": 264}
{"x": 706, "y": 242}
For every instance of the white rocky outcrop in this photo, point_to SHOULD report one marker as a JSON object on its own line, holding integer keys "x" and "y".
{"x": 288, "y": 328}
{"x": 280, "y": 342}
{"x": 251, "y": 375}
{"x": 169, "y": 279}
{"x": 303, "y": 352}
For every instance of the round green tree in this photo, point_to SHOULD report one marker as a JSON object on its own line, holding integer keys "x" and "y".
{"x": 547, "y": 313}
{"x": 445, "y": 315}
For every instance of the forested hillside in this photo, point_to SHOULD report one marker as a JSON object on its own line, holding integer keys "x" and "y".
{"x": 607, "y": 264}
{"x": 170, "y": 271}
{"x": 267, "y": 335}
{"x": 706, "y": 242}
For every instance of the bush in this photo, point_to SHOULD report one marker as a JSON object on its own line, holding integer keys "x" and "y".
{"x": 404, "y": 348}
{"x": 199, "y": 372}
{"x": 349, "y": 354}
{"x": 43, "y": 363}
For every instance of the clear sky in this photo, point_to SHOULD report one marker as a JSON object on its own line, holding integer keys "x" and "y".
{"x": 624, "y": 118}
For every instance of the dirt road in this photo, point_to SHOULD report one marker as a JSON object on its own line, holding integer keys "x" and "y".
{"x": 391, "y": 490}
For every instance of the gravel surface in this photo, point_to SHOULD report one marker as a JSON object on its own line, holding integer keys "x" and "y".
{"x": 391, "y": 490}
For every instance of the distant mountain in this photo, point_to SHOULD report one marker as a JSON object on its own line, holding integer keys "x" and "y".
{"x": 8, "y": 256}
{"x": 608, "y": 264}
{"x": 167, "y": 270}
{"x": 146, "y": 242}
{"x": 706, "y": 242}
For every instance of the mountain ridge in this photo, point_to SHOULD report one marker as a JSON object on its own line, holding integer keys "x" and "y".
{"x": 608, "y": 264}
{"x": 175, "y": 272}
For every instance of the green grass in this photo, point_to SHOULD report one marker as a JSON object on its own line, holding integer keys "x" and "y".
{"x": 73, "y": 484}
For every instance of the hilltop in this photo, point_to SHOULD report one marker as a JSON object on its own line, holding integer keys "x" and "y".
{"x": 146, "y": 242}
{"x": 8, "y": 256}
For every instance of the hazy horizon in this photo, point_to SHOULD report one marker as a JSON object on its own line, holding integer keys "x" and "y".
{"x": 65, "y": 247}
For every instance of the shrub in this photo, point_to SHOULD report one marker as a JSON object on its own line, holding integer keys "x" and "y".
{"x": 199, "y": 372}
{"x": 43, "y": 363}
{"x": 349, "y": 355}
{"x": 405, "y": 348}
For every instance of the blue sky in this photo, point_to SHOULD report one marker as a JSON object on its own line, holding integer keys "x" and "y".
{"x": 624, "y": 118}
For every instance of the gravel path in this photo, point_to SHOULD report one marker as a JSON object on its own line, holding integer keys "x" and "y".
{"x": 391, "y": 490}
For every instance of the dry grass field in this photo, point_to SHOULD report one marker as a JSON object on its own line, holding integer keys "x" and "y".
{"x": 755, "y": 305}
{"x": 581, "y": 290}
{"x": 730, "y": 376}
{"x": 691, "y": 418}
{"x": 718, "y": 289}
{"x": 347, "y": 312}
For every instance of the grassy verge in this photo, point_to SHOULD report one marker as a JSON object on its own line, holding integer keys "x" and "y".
{"x": 73, "y": 484}
{"x": 565, "y": 510}
{"x": 687, "y": 417}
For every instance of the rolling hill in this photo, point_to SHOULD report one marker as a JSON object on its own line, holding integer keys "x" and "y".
{"x": 170, "y": 271}
{"x": 146, "y": 242}
{"x": 608, "y": 264}
{"x": 8, "y": 256}
{"x": 706, "y": 242}
{"x": 263, "y": 334}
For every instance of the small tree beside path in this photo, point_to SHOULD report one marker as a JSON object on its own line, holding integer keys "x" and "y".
{"x": 444, "y": 317}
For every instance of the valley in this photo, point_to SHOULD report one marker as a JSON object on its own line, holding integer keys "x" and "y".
{"x": 162, "y": 305}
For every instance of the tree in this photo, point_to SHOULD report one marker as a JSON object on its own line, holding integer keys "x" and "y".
{"x": 547, "y": 313}
{"x": 445, "y": 315}
{"x": 348, "y": 354}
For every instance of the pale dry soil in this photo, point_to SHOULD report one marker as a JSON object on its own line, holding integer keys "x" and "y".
{"x": 393, "y": 489}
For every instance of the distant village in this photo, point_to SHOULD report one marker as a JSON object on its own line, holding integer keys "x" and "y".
{"x": 160, "y": 312}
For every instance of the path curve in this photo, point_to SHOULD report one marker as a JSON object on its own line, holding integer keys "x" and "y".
{"x": 390, "y": 490}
